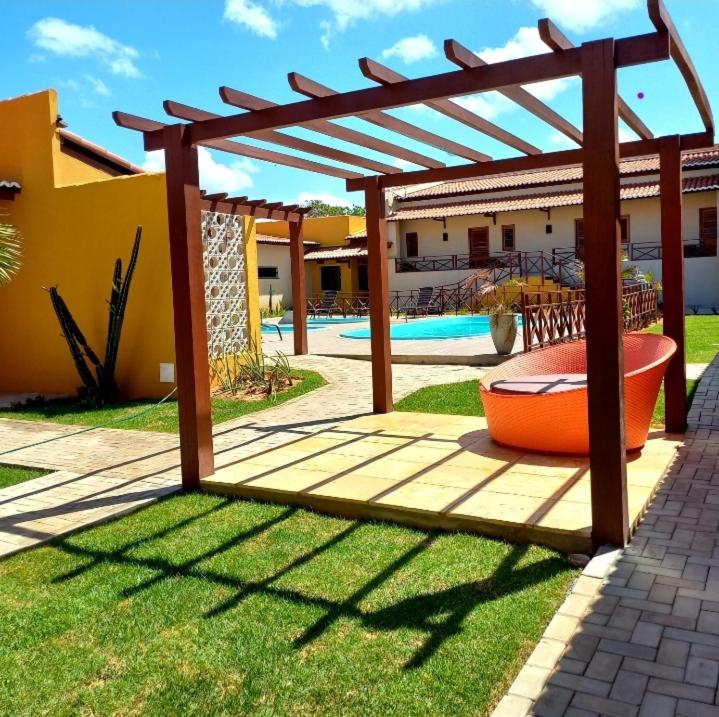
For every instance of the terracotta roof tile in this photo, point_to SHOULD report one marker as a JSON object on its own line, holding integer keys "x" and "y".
{"x": 554, "y": 176}
{"x": 545, "y": 200}
{"x": 336, "y": 252}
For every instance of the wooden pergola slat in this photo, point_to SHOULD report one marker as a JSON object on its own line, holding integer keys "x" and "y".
{"x": 385, "y": 76}
{"x": 194, "y": 114}
{"x": 637, "y": 50}
{"x": 128, "y": 121}
{"x": 465, "y": 58}
{"x": 310, "y": 88}
{"x": 555, "y": 39}
{"x": 249, "y": 102}
{"x": 663, "y": 22}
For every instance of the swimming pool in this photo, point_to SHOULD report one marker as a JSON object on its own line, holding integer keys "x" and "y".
{"x": 322, "y": 320}
{"x": 449, "y": 327}
{"x": 286, "y": 328}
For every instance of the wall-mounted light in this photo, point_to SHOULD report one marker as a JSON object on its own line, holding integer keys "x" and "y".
{"x": 548, "y": 229}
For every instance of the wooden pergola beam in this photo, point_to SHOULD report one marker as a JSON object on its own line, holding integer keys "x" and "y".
{"x": 150, "y": 128}
{"x": 256, "y": 105}
{"x": 465, "y": 58}
{"x": 194, "y": 114}
{"x": 637, "y": 50}
{"x": 672, "y": 238}
{"x": 299, "y": 292}
{"x": 561, "y": 158}
{"x": 557, "y": 41}
{"x": 373, "y": 70}
{"x": 310, "y": 88}
{"x": 603, "y": 294}
{"x": 663, "y": 22}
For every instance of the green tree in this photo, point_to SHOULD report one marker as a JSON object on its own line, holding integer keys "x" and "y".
{"x": 318, "y": 208}
{"x": 10, "y": 246}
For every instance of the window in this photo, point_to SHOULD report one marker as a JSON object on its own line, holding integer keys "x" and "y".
{"x": 411, "y": 241}
{"x": 330, "y": 278}
{"x": 268, "y": 272}
{"x": 508, "y": 237}
{"x": 624, "y": 226}
{"x": 362, "y": 277}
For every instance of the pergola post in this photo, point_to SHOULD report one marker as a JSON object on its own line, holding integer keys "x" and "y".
{"x": 670, "y": 189}
{"x": 604, "y": 320}
{"x": 188, "y": 304}
{"x": 299, "y": 295}
{"x": 378, "y": 297}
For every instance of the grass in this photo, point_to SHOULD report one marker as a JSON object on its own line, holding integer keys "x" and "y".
{"x": 163, "y": 418}
{"x": 702, "y": 337}
{"x": 203, "y": 605}
{"x": 12, "y": 475}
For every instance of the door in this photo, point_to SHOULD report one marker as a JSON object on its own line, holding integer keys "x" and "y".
{"x": 478, "y": 246}
{"x": 330, "y": 278}
{"x": 411, "y": 241}
{"x": 579, "y": 238}
{"x": 708, "y": 231}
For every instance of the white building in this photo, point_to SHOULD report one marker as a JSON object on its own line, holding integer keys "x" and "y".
{"x": 440, "y": 233}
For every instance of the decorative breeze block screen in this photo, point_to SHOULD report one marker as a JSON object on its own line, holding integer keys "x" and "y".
{"x": 225, "y": 283}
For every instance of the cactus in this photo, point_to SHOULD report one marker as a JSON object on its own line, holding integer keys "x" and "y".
{"x": 100, "y": 388}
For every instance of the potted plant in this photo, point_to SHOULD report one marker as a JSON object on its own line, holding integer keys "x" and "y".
{"x": 503, "y": 327}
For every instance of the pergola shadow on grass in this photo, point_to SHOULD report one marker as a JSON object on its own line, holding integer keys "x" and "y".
{"x": 597, "y": 63}
{"x": 438, "y": 614}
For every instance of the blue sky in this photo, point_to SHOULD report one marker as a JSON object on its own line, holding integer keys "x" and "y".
{"x": 131, "y": 55}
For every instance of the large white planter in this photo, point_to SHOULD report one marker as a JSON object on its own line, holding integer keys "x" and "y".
{"x": 503, "y": 328}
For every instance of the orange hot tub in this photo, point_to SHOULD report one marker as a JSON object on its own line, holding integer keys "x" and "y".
{"x": 556, "y": 421}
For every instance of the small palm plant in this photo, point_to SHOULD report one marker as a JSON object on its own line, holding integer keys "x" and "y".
{"x": 10, "y": 246}
{"x": 99, "y": 388}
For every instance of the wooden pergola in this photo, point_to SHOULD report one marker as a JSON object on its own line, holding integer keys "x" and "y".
{"x": 596, "y": 62}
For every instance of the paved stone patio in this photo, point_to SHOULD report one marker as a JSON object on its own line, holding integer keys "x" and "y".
{"x": 105, "y": 472}
{"x": 639, "y": 632}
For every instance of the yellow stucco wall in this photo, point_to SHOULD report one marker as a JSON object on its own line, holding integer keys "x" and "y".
{"x": 75, "y": 222}
{"x": 328, "y": 231}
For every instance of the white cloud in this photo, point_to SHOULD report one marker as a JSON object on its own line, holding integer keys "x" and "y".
{"x": 98, "y": 85}
{"x": 252, "y": 16}
{"x": 526, "y": 42}
{"x": 214, "y": 176}
{"x": 583, "y": 15}
{"x": 627, "y": 135}
{"x": 412, "y": 49}
{"x": 489, "y": 104}
{"x": 307, "y": 197}
{"x": 69, "y": 40}
{"x": 347, "y": 12}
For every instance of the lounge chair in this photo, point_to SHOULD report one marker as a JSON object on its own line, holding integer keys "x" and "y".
{"x": 538, "y": 401}
{"x": 328, "y": 305}
{"x": 423, "y": 304}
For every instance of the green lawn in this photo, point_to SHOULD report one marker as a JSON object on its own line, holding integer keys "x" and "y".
{"x": 203, "y": 605}
{"x": 12, "y": 475}
{"x": 702, "y": 338}
{"x": 163, "y": 418}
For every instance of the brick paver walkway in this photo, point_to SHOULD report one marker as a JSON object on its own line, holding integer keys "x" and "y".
{"x": 639, "y": 633}
{"x": 106, "y": 472}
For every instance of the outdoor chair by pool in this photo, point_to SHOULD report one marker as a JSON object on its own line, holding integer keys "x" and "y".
{"x": 423, "y": 304}
{"x": 538, "y": 401}
{"x": 328, "y": 305}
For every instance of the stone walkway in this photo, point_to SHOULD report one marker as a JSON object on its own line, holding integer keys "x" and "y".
{"x": 639, "y": 633}
{"x": 102, "y": 473}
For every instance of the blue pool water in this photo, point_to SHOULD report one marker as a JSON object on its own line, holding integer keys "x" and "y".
{"x": 313, "y": 324}
{"x": 449, "y": 327}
